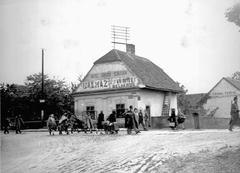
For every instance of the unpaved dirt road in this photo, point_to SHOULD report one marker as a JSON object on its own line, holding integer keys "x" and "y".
{"x": 149, "y": 151}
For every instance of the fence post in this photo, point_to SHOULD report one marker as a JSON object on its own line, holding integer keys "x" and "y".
{"x": 196, "y": 120}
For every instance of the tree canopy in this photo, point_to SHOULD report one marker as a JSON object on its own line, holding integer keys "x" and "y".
{"x": 233, "y": 14}
{"x": 25, "y": 99}
{"x": 236, "y": 75}
{"x": 182, "y": 101}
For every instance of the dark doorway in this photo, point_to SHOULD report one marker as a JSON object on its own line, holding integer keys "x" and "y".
{"x": 149, "y": 116}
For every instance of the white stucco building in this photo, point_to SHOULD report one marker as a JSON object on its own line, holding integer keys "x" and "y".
{"x": 120, "y": 79}
{"x": 221, "y": 95}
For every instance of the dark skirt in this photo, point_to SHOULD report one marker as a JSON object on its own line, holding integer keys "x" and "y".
{"x": 235, "y": 120}
{"x": 128, "y": 122}
{"x": 99, "y": 125}
{"x": 181, "y": 120}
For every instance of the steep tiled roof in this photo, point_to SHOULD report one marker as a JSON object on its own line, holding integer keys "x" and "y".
{"x": 193, "y": 99}
{"x": 150, "y": 74}
{"x": 234, "y": 82}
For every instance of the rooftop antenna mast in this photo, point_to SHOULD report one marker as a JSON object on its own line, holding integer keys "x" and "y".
{"x": 120, "y": 33}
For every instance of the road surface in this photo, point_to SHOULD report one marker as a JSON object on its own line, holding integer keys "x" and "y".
{"x": 149, "y": 151}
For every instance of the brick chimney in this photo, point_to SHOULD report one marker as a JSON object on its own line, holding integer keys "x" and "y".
{"x": 130, "y": 49}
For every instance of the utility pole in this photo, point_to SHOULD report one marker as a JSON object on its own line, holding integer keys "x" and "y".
{"x": 42, "y": 97}
{"x": 42, "y": 70}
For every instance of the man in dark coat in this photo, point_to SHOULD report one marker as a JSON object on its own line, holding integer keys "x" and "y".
{"x": 235, "y": 120}
{"x": 112, "y": 117}
{"x": 112, "y": 122}
{"x": 130, "y": 121}
{"x": 100, "y": 121}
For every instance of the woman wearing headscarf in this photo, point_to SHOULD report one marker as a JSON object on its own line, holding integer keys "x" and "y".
{"x": 63, "y": 124}
{"x": 51, "y": 124}
{"x": 172, "y": 119}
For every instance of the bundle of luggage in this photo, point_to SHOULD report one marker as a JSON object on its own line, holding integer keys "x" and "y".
{"x": 110, "y": 127}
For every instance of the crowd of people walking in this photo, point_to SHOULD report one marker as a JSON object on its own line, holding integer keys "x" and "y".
{"x": 134, "y": 119}
{"x": 18, "y": 122}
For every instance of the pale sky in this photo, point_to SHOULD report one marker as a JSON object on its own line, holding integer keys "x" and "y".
{"x": 191, "y": 40}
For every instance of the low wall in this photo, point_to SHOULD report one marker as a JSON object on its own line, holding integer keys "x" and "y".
{"x": 191, "y": 122}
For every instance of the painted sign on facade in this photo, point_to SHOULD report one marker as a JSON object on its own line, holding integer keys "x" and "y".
{"x": 108, "y": 74}
{"x": 224, "y": 94}
{"x": 121, "y": 82}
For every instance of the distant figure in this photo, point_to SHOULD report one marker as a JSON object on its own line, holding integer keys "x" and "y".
{"x": 172, "y": 120}
{"x": 6, "y": 125}
{"x": 73, "y": 120}
{"x": 130, "y": 121}
{"x": 112, "y": 122}
{"x": 136, "y": 117}
{"x": 89, "y": 122}
{"x": 141, "y": 120}
{"x": 51, "y": 124}
{"x": 63, "y": 124}
{"x": 100, "y": 121}
{"x": 146, "y": 119}
{"x": 235, "y": 120}
{"x": 112, "y": 117}
{"x": 181, "y": 118}
{"x": 18, "y": 122}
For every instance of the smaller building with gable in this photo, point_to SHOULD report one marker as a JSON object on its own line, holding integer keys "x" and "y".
{"x": 219, "y": 98}
{"x": 120, "y": 79}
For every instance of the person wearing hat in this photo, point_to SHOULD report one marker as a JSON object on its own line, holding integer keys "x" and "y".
{"x": 235, "y": 120}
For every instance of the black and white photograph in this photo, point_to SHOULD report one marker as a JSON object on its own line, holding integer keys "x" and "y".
{"x": 120, "y": 86}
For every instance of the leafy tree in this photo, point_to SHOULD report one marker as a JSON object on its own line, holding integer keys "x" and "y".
{"x": 182, "y": 101}
{"x": 74, "y": 86}
{"x": 25, "y": 99}
{"x": 233, "y": 14}
{"x": 56, "y": 93}
{"x": 13, "y": 100}
{"x": 236, "y": 75}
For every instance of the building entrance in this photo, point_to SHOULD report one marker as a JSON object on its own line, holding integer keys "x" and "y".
{"x": 149, "y": 116}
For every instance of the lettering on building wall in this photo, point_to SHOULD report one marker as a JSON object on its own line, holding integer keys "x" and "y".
{"x": 111, "y": 83}
{"x": 223, "y": 94}
{"x": 108, "y": 74}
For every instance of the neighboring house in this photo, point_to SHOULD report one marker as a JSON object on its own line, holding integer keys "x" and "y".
{"x": 220, "y": 97}
{"x": 120, "y": 79}
{"x": 193, "y": 99}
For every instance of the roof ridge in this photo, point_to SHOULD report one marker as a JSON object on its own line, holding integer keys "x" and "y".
{"x": 115, "y": 50}
{"x": 230, "y": 81}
